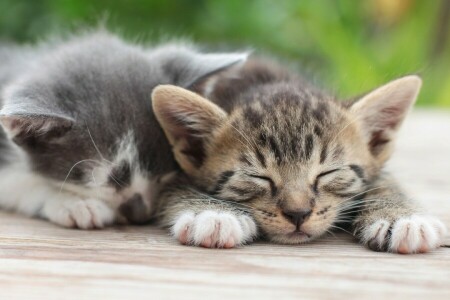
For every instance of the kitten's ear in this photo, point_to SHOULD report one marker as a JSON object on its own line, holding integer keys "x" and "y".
{"x": 188, "y": 121}
{"x": 205, "y": 65}
{"x": 382, "y": 111}
{"x": 186, "y": 66}
{"x": 30, "y": 129}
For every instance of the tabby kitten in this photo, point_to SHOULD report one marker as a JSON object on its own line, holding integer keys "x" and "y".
{"x": 83, "y": 148}
{"x": 270, "y": 155}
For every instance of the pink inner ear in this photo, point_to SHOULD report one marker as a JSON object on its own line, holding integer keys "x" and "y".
{"x": 386, "y": 121}
{"x": 178, "y": 129}
{"x": 23, "y": 127}
{"x": 377, "y": 141}
{"x": 192, "y": 145}
{"x": 391, "y": 116}
{"x": 13, "y": 124}
{"x": 16, "y": 124}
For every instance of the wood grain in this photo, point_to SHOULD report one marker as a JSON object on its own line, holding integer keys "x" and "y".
{"x": 41, "y": 261}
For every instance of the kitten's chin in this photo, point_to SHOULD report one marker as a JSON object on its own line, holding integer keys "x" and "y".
{"x": 295, "y": 237}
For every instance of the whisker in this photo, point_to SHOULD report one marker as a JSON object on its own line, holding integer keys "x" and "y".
{"x": 366, "y": 191}
{"x": 340, "y": 228}
{"x": 251, "y": 142}
{"x": 328, "y": 231}
{"x": 358, "y": 204}
{"x": 71, "y": 169}
{"x": 116, "y": 180}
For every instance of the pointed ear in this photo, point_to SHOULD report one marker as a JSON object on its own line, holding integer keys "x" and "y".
{"x": 188, "y": 121}
{"x": 205, "y": 65}
{"x": 382, "y": 111}
{"x": 186, "y": 66}
{"x": 31, "y": 129}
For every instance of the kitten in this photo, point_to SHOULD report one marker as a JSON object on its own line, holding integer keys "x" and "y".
{"x": 83, "y": 148}
{"x": 270, "y": 155}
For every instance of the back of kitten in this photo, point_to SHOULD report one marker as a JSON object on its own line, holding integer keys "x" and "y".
{"x": 84, "y": 148}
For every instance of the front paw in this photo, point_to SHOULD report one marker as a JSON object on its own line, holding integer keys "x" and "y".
{"x": 405, "y": 235}
{"x": 77, "y": 213}
{"x": 213, "y": 229}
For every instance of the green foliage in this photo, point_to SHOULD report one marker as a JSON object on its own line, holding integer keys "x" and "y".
{"x": 352, "y": 46}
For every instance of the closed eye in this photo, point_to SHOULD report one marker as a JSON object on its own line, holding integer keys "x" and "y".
{"x": 316, "y": 182}
{"x": 273, "y": 187}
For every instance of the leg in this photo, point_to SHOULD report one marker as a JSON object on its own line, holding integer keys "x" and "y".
{"x": 33, "y": 195}
{"x": 390, "y": 221}
{"x": 198, "y": 219}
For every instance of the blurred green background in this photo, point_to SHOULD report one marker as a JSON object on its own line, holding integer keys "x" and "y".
{"x": 350, "y": 46}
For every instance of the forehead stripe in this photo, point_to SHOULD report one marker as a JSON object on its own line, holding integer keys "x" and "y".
{"x": 260, "y": 157}
{"x": 309, "y": 146}
{"x": 323, "y": 153}
{"x": 318, "y": 131}
{"x": 275, "y": 149}
{"x": 223, "y": 179}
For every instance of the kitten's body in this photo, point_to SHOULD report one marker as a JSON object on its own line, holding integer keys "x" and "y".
{"x": 87, "y": 144}
{"x": 286, "y": 155}
{"x": 269, "y": 154}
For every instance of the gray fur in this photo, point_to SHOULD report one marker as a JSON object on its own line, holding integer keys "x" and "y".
{"x": 70, "y": 105}
{"x": 97, "y": 82}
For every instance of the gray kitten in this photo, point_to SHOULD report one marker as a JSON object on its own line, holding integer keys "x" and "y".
{"x": 82, "y": 146}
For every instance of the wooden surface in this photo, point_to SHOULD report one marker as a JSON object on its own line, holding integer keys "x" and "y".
{"x": 41, "y": 261}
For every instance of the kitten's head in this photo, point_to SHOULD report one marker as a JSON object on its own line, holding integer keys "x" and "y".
{"x": 82, "y": 114}
{"x": 295, "y": 159}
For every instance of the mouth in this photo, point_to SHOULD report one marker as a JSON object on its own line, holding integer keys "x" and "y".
{"x": 296, "y": 234}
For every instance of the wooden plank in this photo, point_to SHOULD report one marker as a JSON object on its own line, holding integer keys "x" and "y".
{"x": 41, "y": 261}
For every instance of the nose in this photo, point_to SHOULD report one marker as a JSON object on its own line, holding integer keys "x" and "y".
{"x": 135, "y": 210}
{"x": 297, "y": 217}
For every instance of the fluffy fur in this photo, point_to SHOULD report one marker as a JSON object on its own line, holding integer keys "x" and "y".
{"x": 298, "y": 163}
{"x": 81, "y": 146}
{"x": 257, "y": 151}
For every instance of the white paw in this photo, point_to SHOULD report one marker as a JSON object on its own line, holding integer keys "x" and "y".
{"x": 406, "y": 235}
{"x": 213, "y": 229}
{"x": 83, "y": 214}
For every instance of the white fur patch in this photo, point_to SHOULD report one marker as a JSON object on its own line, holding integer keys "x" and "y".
{"x": 413, "y": 234}
{"x": 417, "y": 234}
{"x": 33, "y": 195}
{"x": 22, "y": 190}
{"x": 212, "y": 229}
{"x": 83, "y": 214}
{"x": 75, "y": 205}
{"x": 377, "y": 232}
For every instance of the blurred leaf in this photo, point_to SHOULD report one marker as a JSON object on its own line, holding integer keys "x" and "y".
{"x": 352, "y": 46}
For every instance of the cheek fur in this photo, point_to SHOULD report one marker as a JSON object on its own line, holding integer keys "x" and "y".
{"x": 321, "y": 220}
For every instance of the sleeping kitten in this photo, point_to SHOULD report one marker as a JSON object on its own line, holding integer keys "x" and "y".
{"x": 270, "y": 155}
{"x": 84, "y": 148}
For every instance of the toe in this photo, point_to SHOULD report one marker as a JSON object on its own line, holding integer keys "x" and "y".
{"x": 82, "y": 216}
{"x": 229, "y": 244}
{"x": 205, "y": 226}
{"x": 248, "y": 228}
{"x": 181, "y": 228}
{"x": 376, "y": 234}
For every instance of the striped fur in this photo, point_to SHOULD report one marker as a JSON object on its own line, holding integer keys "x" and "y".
{"x": 283, "y": 152}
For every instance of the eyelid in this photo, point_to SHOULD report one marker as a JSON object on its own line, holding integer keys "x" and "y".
{"x": 328, "y": 172}
{"x": 316, "y": 182}
{"x": 273, "y": 187}
{"x": 260, "y": 177}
